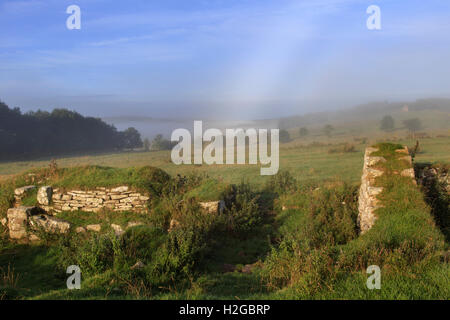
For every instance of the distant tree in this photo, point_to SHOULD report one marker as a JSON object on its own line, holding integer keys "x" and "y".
{"x": 303, "y": 132}
{"x": 284, "y": 136}
{"x": 61, "y": 131}
{"x": 131, "y": 138}
{"x": 146, "y": 144}
{"x": 159, "y": 143}
{"x": 328, "y": 129}
{"x": 413, "y": 125}
{"x": 387, "y": 123}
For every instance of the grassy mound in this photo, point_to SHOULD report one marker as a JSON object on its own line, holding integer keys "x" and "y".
{"x": 147, "y": 179}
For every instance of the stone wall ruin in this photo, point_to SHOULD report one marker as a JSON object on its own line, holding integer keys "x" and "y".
{"x": 368, "y": 201}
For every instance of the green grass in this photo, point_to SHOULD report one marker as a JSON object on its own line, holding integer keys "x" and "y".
{"x": 306, "y": 162}
{"x": 105, "y": 218}
{"x": 309, "y": 251}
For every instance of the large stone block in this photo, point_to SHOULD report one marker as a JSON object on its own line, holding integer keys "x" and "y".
{"x": 213, "y": 206}
{"x": 17, "y": 222}
{"x": 120, "y": 189}
{"x": 22, "y": 221}
{"x": 44, "y": 195}
{"x": 49, "y": 224}
{"x": 94, "y": 227}
{"x": 23, "y": 190}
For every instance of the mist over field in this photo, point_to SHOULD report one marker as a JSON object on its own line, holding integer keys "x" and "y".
{"x": 233, "y": 60}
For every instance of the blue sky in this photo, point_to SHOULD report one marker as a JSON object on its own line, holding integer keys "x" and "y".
{"x": 220, "y": 58}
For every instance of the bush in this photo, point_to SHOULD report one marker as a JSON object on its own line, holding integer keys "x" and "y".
{"x": 180, "y": 256}
{"x": 159, "y": 143}
{"x": 6, "y": 198}
{"x": 307, "y": 251}
{"x": 153, "y": 180}
{"x": 303, "y": 132}
{"x": 284, "y": 136}
{"x": 282, "y": 182}
{"x": 141, "y": 243}
{"x": 242, "y": 209}
{"x": 346, "y": 148}
{"x": 332, "y": 216}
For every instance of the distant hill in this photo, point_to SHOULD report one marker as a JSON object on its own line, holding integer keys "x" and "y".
{"x": 373, "y": 110}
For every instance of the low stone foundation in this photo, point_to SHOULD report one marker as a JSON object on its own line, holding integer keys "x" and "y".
{"x": 117, "y": 199}
{"x": 368, "y": 192}
{"x": 57, "y": 200}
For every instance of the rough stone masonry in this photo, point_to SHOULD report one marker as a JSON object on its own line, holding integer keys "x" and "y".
{"x": 368, "y": 201}
{"x": 117, "y": 199}
{"x": 24, "y": 223}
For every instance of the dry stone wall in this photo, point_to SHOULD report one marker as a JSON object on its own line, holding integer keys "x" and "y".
{"x": 58, "y": 200}
{"x": 117, "y": 199}
{"x": 368, "y": 201}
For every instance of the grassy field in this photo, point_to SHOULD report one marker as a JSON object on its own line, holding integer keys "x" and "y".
{"x": 309, "y": 251}
{"x": 306, "y": 159}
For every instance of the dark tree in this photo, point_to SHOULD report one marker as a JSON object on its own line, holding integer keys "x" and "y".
{"x": 387, "y": 123}
{"x": 159, "y": 143}
{"x": 413, "y": 125}
{"x": 284, "y": 136}
{"x": 328, "y": 129}
{"x": 131, "y": 138}
{"x": 146, "y": 144}
{"x": 61, "y": 131}
{"x": 303, "y": 132}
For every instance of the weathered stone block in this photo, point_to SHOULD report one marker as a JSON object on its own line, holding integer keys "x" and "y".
{"x": 23, "y": 190}
{"x": 408, "y": 173}
{"x": 22, "y": 220}
{"x": 49, "y": 224}
{"x": 66, "y": 197}
{"x": 80, "y": 230}
{"x": 371, "y": 161}
{"x": 56, "y": 196}
{"x": 44, "y": 195}
{"x": 118, "y": 231}
{"x": 17, "y": 222}
{"x": 213, "y": 206}
{"x": 94, "y": 227}
{"x": 120, "y": 189}
{"x": 132, "y": 224}
{"x": 118, "y": 196}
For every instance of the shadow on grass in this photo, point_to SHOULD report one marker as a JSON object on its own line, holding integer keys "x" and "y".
{"x": 232, "y": 285}
{"x": 436, "y": 195}
{"x": 34, "y": 268}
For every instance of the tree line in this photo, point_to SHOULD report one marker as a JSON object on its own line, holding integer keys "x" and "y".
{"x": 42, "y": 133}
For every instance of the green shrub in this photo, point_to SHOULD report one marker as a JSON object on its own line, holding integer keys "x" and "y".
{"x": 6, "y": 198}
{"x": 93, "y": 255}
{"x": 332, "y": 216}
{"x": 153, "y": 180}
{"x": 140, "y": 243}
{"x": 180, "y": 256}
{"x": 282, "y": 182}
{"x": 346, "y": 148}
{"x": 242, "y": 208}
